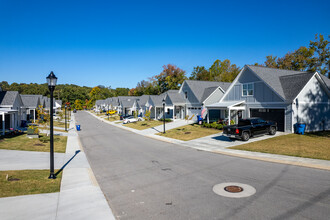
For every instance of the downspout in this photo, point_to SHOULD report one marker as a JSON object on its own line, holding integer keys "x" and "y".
{"x": 3, "y": 123}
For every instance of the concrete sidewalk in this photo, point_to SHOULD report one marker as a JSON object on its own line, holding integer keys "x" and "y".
{"x": 80, "y": 196}
{"x": 218, "y": 143}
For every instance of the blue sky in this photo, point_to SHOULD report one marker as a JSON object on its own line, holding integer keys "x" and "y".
{"x": 119, "y": 43}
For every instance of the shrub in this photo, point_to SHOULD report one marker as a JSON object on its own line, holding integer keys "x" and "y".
{"x": 147, "y": 115}
{"x": 219, "y": 126}
{"x": 33, "y": 130}
{"x": 44, "y": 139}
{"x": 166, "y": 119}
{"x": 214, "y": 125}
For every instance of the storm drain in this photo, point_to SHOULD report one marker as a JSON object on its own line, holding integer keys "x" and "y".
{"x": 234, "y": 190}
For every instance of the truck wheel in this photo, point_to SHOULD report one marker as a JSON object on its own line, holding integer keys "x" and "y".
{"x": 272, "y": 130}
{"x": 245, "y": 136}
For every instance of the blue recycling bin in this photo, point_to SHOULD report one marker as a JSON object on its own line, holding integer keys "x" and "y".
{"x": 78, "y": 127}
{"x": 199, "y": 119}
{"x": 300, "y": 128}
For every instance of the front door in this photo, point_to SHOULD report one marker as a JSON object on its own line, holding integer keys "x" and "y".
{"x": 177, "y": 112}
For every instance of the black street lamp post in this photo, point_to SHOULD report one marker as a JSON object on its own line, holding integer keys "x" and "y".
{"x": 51, "y": 80}
{"x": 65, "y": 106}
{"x": 164, "y": 114}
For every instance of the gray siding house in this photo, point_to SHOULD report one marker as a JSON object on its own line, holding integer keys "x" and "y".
{"x": 31, "y": 103}
{"x": 287, "y": 97}
{"x": 12, "y": 110}
{"x": 195, "y": 92}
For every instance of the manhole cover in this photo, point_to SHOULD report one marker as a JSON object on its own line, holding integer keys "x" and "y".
{"x": 233, "y": 189}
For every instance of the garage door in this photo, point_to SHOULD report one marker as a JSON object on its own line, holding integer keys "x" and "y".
{"x": 276, "y": 115}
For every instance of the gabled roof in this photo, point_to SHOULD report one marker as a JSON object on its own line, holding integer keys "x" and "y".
{"x": 286, "y": 83}
{"x": 108, "y": 101}
{"x": 272, "y": 77}
{"x": 31, "y": 101}
{"x": 7, "y": 98}
{"x": 121, "y": 98}
{"x": 128, "y": 103}
{"x": 198, "y": 87}
{"x": 47, "y": 101}
{"x": 293, "y": 84}
{"x": 157, "y": 100}
{"x": 59, "y": 102}
{"x": 326, "y": 80}
{"x": 175, "y": 97}
{"x": 143, "y": 100}
{"x": 99, "y": 102}
{"x": 208, "y": 92}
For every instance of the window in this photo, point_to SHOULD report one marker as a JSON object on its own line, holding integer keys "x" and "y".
{"x": 168, "y": 111}
{"x": 185, "y": 95}
{"x": 248, "y": 89}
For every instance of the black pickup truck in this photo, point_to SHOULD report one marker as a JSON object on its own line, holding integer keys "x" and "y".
{"x": 250, "y": 127}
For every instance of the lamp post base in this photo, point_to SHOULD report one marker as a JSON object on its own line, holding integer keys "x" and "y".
{"x": 52, "y": 176}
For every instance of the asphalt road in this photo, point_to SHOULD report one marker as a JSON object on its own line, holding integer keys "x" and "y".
{"x": 143, "y": 178}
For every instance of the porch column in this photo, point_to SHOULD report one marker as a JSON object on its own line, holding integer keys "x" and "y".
{"x": 229, "y": 116}
{"x": 173, "y": 111}
{"x": 207, "y": 118}
{"x": 34, "y": 118}
{"x": 155, "y": 112}
{"x": 3, "y": 123}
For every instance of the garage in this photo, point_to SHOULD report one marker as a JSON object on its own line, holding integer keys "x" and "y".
{"x": 276, "y": 115}
{"x": 193, "y": 111}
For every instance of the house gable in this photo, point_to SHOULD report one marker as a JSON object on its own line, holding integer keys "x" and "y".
{"x": 261, "y": 91}
{"x": 185, "y": 89}
{"x": 313, "y": 92}
{"x": 214, "y": 97}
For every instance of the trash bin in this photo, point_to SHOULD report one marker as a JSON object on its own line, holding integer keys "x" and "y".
{"x": 199, "y": 119}
{"x": 300, "y": 128}
{"x": 78, "y": 127}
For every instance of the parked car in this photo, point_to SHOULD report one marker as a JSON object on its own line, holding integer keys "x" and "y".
{"x": 56, "y": 117}
{"x": 74, "y": 110}
{"x": 123, "y": 116}
{"x": 250, "y": 127}
{"x": 111, "y": 112}
{"x": 131, "y": 119}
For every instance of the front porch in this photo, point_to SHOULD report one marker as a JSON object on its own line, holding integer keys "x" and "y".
{"x": 228, "y": 111}
{"x": 8, "y": 120}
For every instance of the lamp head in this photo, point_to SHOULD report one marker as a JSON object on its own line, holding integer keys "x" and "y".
{"x": 51, "y": 80}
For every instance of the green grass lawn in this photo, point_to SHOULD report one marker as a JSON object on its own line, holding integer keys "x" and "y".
{"x": 26, "y": 182}
{"x": 189, "y": 132}
{"x": 112, "y": 118}
{"x": 60, "y": 124}
{"x": 22, "y": 142}
{"x": 311, "y": 145}
{"x": 47, "y": 128}
{"x": 141, "y": 125}
{"x": 56, "y": 124}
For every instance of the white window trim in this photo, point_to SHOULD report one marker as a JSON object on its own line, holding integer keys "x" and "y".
{"x": 247, "y": 91}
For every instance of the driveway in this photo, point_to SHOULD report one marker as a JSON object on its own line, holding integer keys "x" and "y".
{"x": 143, "y": 178}
{"x": 219, "y": 141}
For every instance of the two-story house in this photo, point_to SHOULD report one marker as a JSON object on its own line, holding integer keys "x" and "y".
{"x": 284, "y": 96}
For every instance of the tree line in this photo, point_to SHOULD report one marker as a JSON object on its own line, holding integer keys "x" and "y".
{"x": 314, "y": 57}
{"x": 68, "y": 93}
